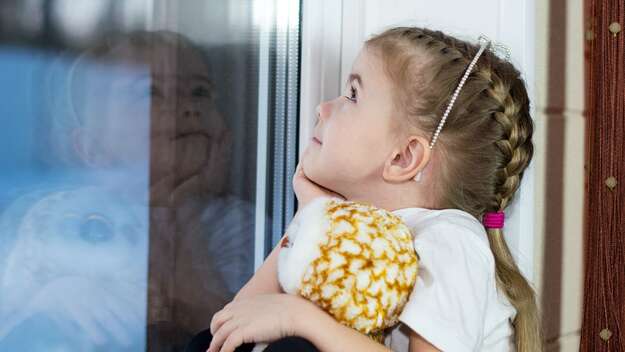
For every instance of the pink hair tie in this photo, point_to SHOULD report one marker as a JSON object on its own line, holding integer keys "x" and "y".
{"x": 493, "y": 220}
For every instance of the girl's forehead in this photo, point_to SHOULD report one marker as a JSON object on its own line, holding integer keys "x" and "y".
{"x": 369, "y": 67}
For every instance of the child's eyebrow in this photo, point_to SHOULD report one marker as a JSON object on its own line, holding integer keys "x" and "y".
{"x": 201, "y": 77}
{"x": 174, "y": 77}
{"x": 356, "y": 77}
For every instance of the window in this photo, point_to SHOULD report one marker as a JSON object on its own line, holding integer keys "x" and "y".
{"x": 147, "y": 155}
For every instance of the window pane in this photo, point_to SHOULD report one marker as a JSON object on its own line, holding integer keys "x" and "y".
{"x": 146, "y": 149}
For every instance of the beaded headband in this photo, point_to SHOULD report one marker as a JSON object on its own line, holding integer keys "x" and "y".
{"x": 484, "y": 43}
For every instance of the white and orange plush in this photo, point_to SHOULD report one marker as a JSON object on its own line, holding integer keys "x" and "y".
{"x": 353, "y": 260}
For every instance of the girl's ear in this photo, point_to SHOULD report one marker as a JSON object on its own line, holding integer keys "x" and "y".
{"x": 407, "y": 160}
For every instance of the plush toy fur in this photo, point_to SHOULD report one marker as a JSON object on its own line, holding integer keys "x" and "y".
{"x": 353, "y": 260}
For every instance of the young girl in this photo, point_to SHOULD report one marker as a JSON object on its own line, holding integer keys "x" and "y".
{"x": 415, "y": 136}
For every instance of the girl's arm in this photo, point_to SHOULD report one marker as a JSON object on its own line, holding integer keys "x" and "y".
{"x": 419, "y": 344}
{"x": 328, "y": 335}
{"x": 265, "y": 279}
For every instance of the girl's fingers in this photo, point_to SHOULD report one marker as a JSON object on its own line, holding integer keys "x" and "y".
{"x": 220, "y": 336}
{"x": 219, "y": 319}
{"x": 233, "y": 341}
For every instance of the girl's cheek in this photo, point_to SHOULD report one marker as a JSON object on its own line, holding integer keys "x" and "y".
{"x": 348, "y": 108}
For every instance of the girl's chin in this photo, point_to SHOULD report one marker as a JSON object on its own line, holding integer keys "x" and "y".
{"x": 323, "y": 181}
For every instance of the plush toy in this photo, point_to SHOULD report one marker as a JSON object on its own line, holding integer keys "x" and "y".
{"x": 353, "y": 260}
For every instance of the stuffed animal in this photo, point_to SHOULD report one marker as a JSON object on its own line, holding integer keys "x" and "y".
{"x": 353, "y": 260}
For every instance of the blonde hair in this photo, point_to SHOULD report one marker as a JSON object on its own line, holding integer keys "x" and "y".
{"x": 485, "y": 143}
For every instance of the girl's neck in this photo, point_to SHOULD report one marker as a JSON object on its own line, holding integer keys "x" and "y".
{"x": 394, "y": 196}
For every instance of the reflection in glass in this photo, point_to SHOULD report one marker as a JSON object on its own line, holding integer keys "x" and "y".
{"x": 73, "y": 263}
{"x": 127, "y": 210}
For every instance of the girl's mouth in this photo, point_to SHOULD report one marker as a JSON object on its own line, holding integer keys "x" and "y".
{"x": 187, "y": 134}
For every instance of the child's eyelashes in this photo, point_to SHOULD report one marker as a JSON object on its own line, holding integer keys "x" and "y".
{"x": 199, "y": 92}
{"x": 155, "y": 91}
{"x": 352, "y": 95}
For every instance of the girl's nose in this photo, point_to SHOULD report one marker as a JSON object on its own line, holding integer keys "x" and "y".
{"x": 324, "y": 110}
{"x": 191, "y": 113}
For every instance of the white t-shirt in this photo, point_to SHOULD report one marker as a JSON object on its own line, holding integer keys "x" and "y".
{"x": 455, "y": 304}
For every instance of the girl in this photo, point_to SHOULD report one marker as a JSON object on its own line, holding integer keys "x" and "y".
{"x": 438, "y": 131}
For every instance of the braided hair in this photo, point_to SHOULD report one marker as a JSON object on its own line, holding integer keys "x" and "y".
{"x": 486, "y": 143}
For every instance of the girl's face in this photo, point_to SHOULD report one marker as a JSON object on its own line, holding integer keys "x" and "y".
{"x": 159, "y": 109}
{"x": 352, "y": 138}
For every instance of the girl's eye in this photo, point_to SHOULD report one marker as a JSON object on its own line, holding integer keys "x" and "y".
{"x": 352, "y": 96}
{"x": 155, "y": 91}
{"x": 201, "y": 92}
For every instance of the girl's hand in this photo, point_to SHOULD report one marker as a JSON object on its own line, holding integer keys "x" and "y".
{"x": 306, "y": 190}
{"x": 260, "y": 318}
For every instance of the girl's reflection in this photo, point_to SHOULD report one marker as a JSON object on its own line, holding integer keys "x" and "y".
{"x": 136, "y": 117}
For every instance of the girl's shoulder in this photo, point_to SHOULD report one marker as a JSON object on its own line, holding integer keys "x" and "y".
{"x": 440, "y": 227}
{"x": 454, "y": 302}
{"x": 430, "y": 217}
